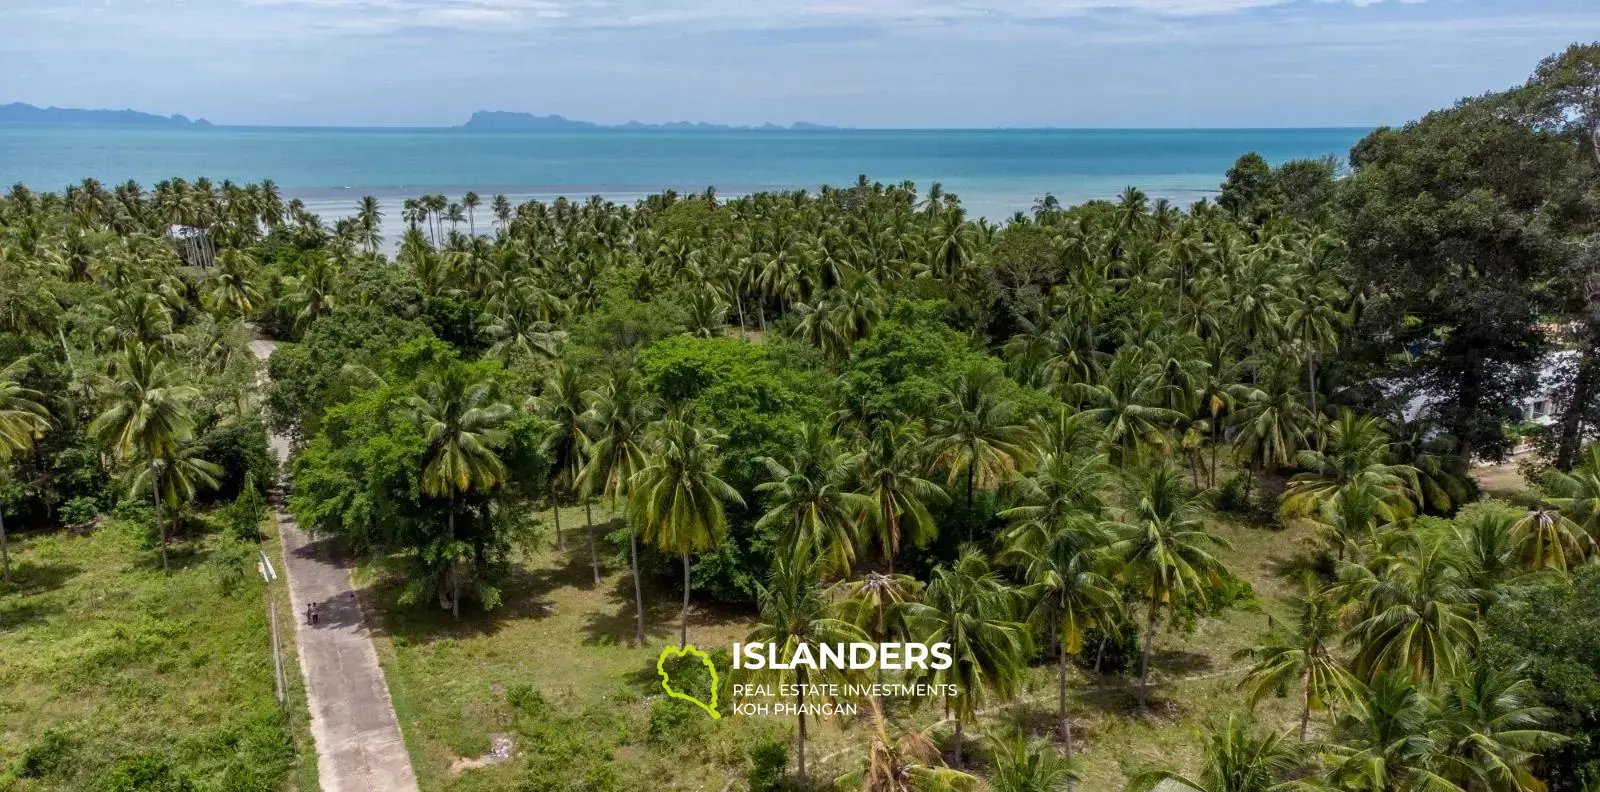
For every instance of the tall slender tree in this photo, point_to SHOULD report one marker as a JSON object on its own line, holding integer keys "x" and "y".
{"x": 460, "y": 421}
{"x": 972, "y": 609}
{"x": 615, "y": 423}
{"x": 677, "y": 499}
{"x": 23, "y": 420}
{"x": 795, "y": 613}
{"x": 147, "y": 420}
{"x": 1166, "y": 552}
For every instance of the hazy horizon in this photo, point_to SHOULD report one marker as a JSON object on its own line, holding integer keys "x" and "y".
{"x": 652, "y": 126}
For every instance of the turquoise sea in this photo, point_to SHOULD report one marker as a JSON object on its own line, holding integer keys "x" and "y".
{"x": 995, "y": 172}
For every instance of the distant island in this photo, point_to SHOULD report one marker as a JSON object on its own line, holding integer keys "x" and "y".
{"x": 20, "y": 113}
{"x": 501, "y": 121}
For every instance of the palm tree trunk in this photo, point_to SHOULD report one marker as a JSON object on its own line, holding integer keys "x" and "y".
{"x": 800, "y": 732}
{"x": 877, "y": 672}
{"x": 958, "y": 738}
{"x": 1144, "y": 662}
{"x": 5, "y": 552}
{"x": 683, "y": 639}
{"x": 161, "y": 525}
{"x": 1214, "y": 450}
{"x": 1311, "y": 380}
{"x": 739, "y": 299}
{"x": 1305, "y": 713}
{"x": 555, "y": 511}
{"x": 638, "y": 591}
{"x": 594, "y": 555}
{"x": 1061, "y": 706}
{"x": 891, "y": 528}
{"x": 972, "y": 472}
{"x": 455, "y": 569}
{"x": 1061, "y": 673}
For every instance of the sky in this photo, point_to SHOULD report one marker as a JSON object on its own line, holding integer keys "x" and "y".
{"x": 862, "y": 63}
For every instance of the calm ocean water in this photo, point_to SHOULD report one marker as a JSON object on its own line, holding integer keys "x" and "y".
{"x": 994, "y": 172}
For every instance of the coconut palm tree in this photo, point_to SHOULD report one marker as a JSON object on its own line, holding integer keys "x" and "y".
{"x": 810, "y": 502}
{"x": 972, "y": 609}
{"x": 472, "y": 201}
{"x": 460, "y": 420}
{"x": 1017, "y": 765}
{"x": 1490, "y": 731}
{"x": 147, "y": 420}
{"x": 975, "y": 435}
{"x": 1313, "y": 325}
{"x": 891, "y": 477}
{"x": 501, "y": 206}
{"x": 22, "y": 421}
{"x": 1070, "y": 587}
{"x": 909, "y": 762}
{"x": 877, "y": 603}
{"x": 1136, "y": 426}
{"x": 369, "y": 220}
{"x": 795, "y": 612}
{"x": 1576, "y": 492}
{"x": 518, "y": 329}
{"x": 1352, "y": 476}
{"x": 1301, "y": 654}
{"x": 1548, "y": 539}
{"x": 314, "y": 293}
{"x": 1483, "y": 541}
{"x": 1389, "y": 742}
{"x": 615, "y": 424}
{"x": 230, "y": 288}
{"x": 1237, "y": 759}
{"x": 182, "y": 477}
{"x": 562, "y": 404}
{"x": 1413, "y": 611}
{"x": 1271, "y": 420}
{"x": 677, "y": 498}
{"x": 1166, "y": 553}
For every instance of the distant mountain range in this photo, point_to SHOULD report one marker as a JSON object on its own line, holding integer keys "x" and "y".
{"x": 500, "y": 121}
{"x": 19, "y": 113}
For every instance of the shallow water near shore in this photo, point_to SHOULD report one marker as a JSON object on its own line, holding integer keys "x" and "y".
{"x": 995, "y": 172}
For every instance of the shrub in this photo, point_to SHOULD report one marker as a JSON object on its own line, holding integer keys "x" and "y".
{"x": 674, "y": 721}
{"x": 1233, "y": 494}
{"x": 247, "y": 512}
{"x": 243, "y": 451}
{"x": 44, "y": 755}
{"x": 251, "y": 755}
{"x": 148, "y": 773}
{"x": 1113, "y": 650}
{"x": 137, "y": 521}
{"x": 234, "y": 561}
{"x": 79, "y": 510}
{"x": 768, "y": 760}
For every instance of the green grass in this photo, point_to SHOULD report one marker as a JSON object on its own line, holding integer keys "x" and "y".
{"x": 105, "y": 660}
{"x": 569, "y": 640}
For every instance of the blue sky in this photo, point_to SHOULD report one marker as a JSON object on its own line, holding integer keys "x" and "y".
{"x": 872, "y": 63}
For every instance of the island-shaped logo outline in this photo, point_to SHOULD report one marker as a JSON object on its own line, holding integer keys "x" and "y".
{"x": 666, "y": 682}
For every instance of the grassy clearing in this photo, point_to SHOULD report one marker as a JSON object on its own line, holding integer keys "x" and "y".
{"x": 1505, "y": 481}
{"x": 106, "y": 665}
{"x": 565, "y": 638}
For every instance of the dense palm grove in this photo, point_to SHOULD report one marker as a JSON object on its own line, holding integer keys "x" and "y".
{"x": 867, "y": 416}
